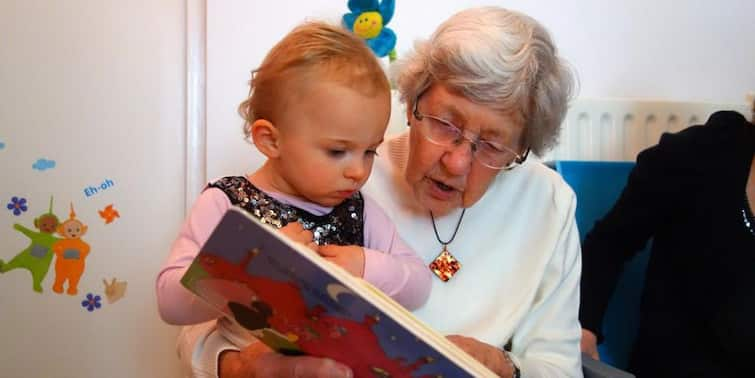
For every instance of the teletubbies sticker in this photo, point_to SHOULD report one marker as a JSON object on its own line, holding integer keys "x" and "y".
{"x": 60, "y": 244}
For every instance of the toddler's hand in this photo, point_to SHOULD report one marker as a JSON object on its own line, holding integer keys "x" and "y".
{"x": 349, "y": 257}
{"x": 296, "y": 232}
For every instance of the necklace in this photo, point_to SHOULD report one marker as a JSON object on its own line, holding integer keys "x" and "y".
{"x": 445, "y": 265}
{"x": 747, "y": 217}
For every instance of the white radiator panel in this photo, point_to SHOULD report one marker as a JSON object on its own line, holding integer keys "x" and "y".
{"x": 618, "y": 129}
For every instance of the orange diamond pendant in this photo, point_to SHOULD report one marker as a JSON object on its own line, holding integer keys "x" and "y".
{"x": 445, "y": 265}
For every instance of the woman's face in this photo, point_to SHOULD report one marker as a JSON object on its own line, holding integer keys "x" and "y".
{"x": 446, "y": 178}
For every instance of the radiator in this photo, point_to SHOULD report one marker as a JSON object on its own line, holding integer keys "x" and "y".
{"x": 617, "y": 129}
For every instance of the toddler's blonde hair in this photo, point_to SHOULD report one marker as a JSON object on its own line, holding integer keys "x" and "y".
{"x": 313, "y": 51}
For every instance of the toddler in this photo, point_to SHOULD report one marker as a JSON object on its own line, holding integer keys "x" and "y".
{"x": 318, "y": 108}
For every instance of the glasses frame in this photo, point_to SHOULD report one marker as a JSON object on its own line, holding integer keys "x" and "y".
{"x": 518, "y": 158}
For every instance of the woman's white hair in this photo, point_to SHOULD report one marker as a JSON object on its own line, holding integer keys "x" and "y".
{"x": 499, "y": 58}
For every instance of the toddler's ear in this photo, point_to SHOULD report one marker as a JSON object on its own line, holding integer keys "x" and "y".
{"x": 265, "y": 137}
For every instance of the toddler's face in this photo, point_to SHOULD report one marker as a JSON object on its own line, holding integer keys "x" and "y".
{"x": 327, "y": 140}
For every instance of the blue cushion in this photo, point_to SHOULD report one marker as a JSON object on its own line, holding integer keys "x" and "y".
{"x": 598, "y": 185}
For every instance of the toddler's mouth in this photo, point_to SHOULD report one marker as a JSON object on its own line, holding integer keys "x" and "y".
{"x": 346, "y": 193}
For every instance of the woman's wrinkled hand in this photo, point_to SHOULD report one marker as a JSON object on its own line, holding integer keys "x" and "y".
{"x": 486, "y": 354}
{"x": 258, "y": 361}
{"x": 589, "y": 344}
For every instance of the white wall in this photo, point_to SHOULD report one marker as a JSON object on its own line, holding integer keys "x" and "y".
{"x": 691, "y": 50}
{"x": 97, "y": 86}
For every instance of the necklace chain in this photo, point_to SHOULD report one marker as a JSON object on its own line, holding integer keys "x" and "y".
{"x": 458, "y": 223}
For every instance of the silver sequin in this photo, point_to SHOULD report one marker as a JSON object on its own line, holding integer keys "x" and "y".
{"x": 342, "y": 226}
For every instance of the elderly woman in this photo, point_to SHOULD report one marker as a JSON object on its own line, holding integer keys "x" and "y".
{"x": 484, "y": 91}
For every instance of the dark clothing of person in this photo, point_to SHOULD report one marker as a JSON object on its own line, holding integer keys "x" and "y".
{"x": 698, "y": 304}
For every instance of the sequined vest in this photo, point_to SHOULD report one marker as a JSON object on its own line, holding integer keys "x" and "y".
{"x": 344, "y": 225}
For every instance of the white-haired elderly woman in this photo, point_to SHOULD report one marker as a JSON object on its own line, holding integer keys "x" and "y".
{"x": 484, "y": 91}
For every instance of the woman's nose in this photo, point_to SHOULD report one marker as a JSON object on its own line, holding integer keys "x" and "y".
{"x": 458, "y": 157}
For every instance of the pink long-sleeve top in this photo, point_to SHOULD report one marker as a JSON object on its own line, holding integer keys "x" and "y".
{"x": 390, "y": 265}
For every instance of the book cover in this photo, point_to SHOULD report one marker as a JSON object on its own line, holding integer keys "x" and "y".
{"x": 294, "y": 301}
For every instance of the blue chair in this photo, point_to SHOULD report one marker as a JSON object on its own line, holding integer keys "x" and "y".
{"x": 598, "y": 185}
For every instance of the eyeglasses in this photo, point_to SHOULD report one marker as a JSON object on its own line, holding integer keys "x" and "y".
{"x": 488, "y": 153}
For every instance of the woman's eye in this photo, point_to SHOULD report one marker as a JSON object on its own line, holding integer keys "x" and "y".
{"x": 446, "y": 127}
{"x": 492, "y": 147}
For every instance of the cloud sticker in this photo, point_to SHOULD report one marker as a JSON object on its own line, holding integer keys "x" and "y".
{"x": 43, "y": 164}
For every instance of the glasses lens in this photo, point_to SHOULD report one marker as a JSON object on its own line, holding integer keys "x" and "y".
{"x": 493, "y": 157}
{"x": 440, "y": 132}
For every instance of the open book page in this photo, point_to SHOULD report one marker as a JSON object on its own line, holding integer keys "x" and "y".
{"x": 296, "y": 302}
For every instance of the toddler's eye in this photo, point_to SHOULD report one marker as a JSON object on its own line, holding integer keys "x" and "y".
{"x": 371, "y": 153}
{"x": 336, "y": 153}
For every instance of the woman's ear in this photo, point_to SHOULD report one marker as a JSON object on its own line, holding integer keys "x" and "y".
{"x": 265, "y": 136}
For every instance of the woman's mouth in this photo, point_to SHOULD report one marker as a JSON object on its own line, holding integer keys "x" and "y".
{"x": 443, "y": 186}
{"x": 441, "y": 191}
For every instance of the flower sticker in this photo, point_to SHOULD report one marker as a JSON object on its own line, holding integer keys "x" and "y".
{"x": 17, "y": 205}
{"x": 91, "y": 302}
{"x": 368, "y": 20}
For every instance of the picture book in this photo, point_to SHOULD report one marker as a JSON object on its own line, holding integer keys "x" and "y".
{"x": 298, "y": 303}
